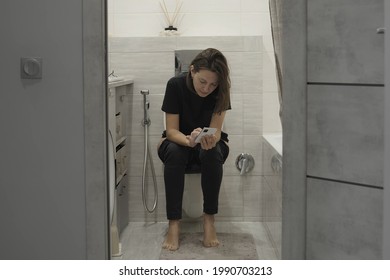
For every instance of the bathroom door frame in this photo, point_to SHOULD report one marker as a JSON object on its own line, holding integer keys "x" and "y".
{"x": 386, "y": 169}
{"x": 294, "y": 130}
{"x": 95, "y": 128}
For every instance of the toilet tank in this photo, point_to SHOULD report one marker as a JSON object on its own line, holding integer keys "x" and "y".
{"x": 183, "y": 59}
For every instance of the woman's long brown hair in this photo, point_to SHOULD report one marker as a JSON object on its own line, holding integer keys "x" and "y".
{"x": 213, "y": 60}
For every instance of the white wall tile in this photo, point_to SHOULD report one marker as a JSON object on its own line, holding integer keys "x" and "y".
{"x": 269, "y": 72}
{"x": 271, "y": 119}
{"x": 214, "y": 6}
{"x": 133, "y": 25}
{"x": 252, "y": 194}
{"x": 110, "y": 23}
{"x": 136, "y": 6}
{"x": 268, "y": 43}
{"x": 146, "y": 44}
{"x": 197, "y": 18}
{"x": 234, "y": 118}
{"x": 225, "y": 44}
{"x": 253, "y": 43}
{"x": 250, "y": 24}
{"x": 254, "y": 6}
{"x": 231, "y": 202}
{"x": 252, "y": 114}
{"x": 223, "y": 24}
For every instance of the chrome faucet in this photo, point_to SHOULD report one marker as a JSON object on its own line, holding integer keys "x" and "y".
{"x": 245, "y": 163}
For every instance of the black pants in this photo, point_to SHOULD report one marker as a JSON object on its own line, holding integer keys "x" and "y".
{"x": 176, "y": 158}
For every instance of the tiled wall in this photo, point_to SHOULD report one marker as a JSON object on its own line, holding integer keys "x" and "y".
{"x": 150, "y": 61}
{"x": 134, "y": 18}
{"x": 196, "y": 18}
{"x": 272, "y": 188}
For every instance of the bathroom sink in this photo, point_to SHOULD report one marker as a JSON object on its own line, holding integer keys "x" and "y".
{"x": 112, "y": 79}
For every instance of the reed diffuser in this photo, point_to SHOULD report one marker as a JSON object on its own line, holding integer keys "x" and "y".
{"x": 171, "y": 18}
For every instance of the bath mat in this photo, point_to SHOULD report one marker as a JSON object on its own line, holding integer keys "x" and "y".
{"x": 233, "y": 246}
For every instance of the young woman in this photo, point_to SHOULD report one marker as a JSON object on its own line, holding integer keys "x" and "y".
{"x": 193, "y": 101}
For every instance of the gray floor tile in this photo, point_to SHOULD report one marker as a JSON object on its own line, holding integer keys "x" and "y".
{"x": 142, "y": 241}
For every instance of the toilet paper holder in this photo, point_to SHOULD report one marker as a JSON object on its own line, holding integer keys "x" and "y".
{"x": 245, "y": 163}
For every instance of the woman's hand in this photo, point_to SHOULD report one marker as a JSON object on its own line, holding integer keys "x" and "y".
{"x": 191, "y": 138}
{"x": 208, "y": 142}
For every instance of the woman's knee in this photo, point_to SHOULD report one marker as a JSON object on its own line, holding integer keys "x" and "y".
{"x": 172, "y": 153}
{"x": 214, "y": 155}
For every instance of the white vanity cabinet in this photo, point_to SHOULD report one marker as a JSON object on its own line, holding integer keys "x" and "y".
{"x": 118, "y": 116}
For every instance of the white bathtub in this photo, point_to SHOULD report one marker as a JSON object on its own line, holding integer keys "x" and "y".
{"x": 276, "y": 141}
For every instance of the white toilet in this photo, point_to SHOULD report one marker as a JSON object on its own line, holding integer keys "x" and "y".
{"x": 193, "y": 196}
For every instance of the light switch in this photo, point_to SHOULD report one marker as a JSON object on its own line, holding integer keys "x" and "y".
{"x": 31, "y": 68}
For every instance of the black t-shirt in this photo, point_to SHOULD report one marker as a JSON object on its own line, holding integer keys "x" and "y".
{"x": 194, "y": 111}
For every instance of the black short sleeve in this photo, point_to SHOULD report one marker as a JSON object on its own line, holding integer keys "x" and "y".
{"x": 173, "y": 97}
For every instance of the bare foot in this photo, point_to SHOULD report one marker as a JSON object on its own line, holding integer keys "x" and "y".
{"x": 171, "y": 241}
{"x": 210, "y": 235}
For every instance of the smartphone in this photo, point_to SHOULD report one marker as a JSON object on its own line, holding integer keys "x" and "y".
{"x": 205, "y": 131}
